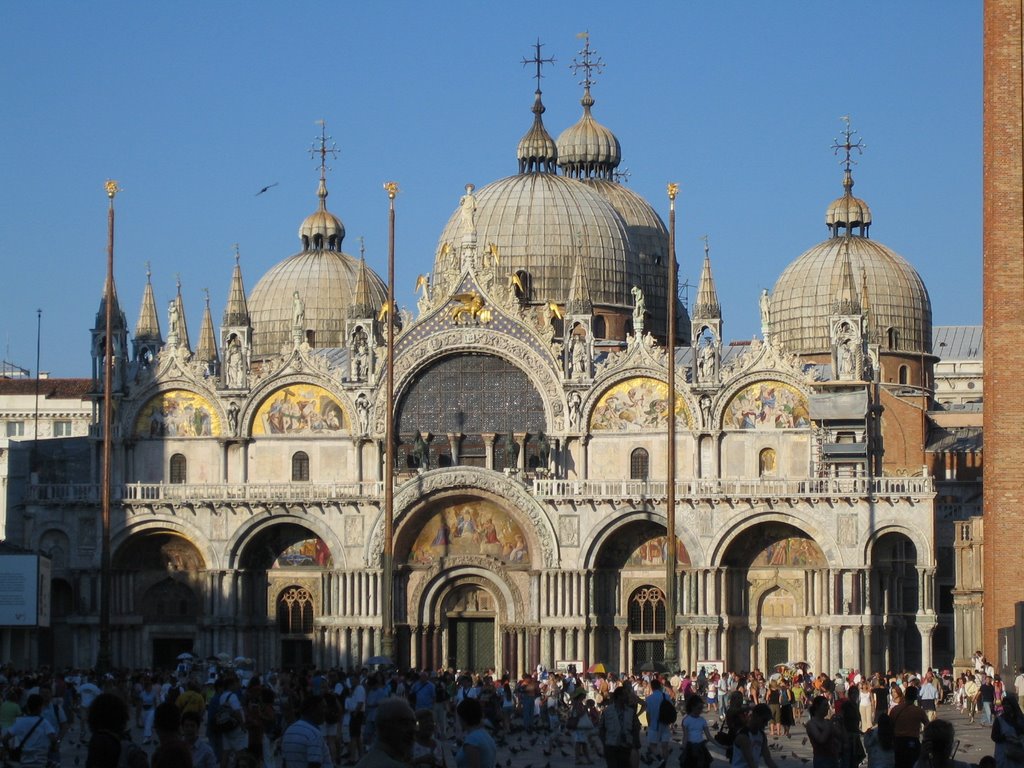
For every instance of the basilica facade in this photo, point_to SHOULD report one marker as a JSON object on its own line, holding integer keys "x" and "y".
{"x": 531, "y": 406}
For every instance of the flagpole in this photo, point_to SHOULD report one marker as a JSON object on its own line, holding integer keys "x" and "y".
{"x": 388, "y": 556}
{"x": 104, "y": 661}
{"x": 671, "y": 662}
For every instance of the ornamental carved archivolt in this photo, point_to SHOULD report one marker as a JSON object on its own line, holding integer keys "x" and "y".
{"x": 424, "y": 580}
{"x": 512, "y": 494}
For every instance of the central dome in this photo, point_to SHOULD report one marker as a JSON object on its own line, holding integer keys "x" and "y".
{"x": 540, "y": 222}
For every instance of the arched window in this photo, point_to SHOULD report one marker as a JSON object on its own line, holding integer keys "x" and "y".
{"x": 639, "y": 464}
{"x": 600, "y": 327}
{"x": 647, "y": 611}
{"x": 300, "y": 467}
{"x": 904, "y": 375}
{"x": 295, "y": 611}
{"x": 892, "y": 337}
{"x": 766, "y": 463}
{"x": 179, "y": 469}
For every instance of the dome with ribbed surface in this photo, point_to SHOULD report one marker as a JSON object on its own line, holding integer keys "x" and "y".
{"x": 539, "y": 221}
{"x": 326, "y": 281}
{"x": 649, "y": 238}
{"x": 848, "y": 212}
{"x": 588, "y": 148}
{"x": 900, "y": 314}
{"x": 537, "y": 150}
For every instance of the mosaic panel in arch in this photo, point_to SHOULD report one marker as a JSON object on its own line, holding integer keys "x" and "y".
{"x": 767, "y": 405}
{"x": 300, "y": 409}
{"x": 178, "y": 413}
{"x": 791, "y": 551}
{"x": 654, "y": 551}
{"x": 310, "y": 553}
{"x": 636, "y": 405}
{"x": 470, "y": 528}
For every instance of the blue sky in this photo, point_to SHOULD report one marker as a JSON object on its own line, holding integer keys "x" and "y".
{"x": 195, "y": 106}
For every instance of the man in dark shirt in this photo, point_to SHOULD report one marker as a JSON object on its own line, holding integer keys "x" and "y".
{"x": 880, "y": 694}
{"x": 907, "y": 721}
{"x": 987, "y": 698}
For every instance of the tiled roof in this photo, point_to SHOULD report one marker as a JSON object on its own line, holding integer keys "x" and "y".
{"x": 57, "y": 389}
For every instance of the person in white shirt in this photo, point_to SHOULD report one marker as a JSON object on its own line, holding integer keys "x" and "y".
{"x": 1018, "y": 686}
{"x": 33, "y": 734}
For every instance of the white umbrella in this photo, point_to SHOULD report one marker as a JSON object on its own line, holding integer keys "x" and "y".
{"x": 185, "y": 656}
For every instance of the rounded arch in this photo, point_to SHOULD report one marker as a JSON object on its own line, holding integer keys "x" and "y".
{"x": 158, "y": 549}
{"x": 764, "y": 399}
{"x": 55, "y": 542}
{"x": 593, "y": 544}
{"x": 416, "y": 496}
{"x": 298, "y": 405}
{"x": 161, "y": 523}
{"x": 428, "y": 598}
{"x": 917, "y": 537}
{"x": 741, "y": 525}
{"x": 540, "y": 367}
{"x": 649, "y": 386}
{"x": 261, "y": 524}
{"x": 149, "y": 411}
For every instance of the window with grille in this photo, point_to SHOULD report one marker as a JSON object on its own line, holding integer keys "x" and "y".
{"x": 300, "y": 467}
{"x": 295, "y": 611}
{"x": 647, "y": 611}
{"x": 179, "y": 469}
{"x": 639, "y": 464}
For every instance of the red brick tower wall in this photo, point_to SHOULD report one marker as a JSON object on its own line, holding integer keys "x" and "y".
{"x": 1003, "y": 264}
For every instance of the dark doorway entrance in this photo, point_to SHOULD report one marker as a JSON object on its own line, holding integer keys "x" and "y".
{"x": 296, "y": 653}
{"x": 648, "y": 654}
{"x": 776, "y": 652}
{"x": 471, "y": 643}
{"x": 167, "y": 649}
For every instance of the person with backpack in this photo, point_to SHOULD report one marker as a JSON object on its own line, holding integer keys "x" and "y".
{"x": 661, "y": 716}
{"x": 229, "y": 721}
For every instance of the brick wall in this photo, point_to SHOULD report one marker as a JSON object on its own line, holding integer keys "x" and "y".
{"x": 1003, "y": 262}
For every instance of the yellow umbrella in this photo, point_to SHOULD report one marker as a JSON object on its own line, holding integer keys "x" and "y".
{"x": 597, "y": 669}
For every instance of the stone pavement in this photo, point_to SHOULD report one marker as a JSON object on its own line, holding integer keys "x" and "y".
{"x": 539, "y": 750}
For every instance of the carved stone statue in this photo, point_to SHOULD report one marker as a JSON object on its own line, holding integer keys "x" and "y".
{"x": 233, "y": 417}
{"x": 467, "y": 211}
{"x": 706, "y": 361}
{"x": 705, "y": 411}
{"x": 639, "y": 309}
{"x": 766, "y": 313}
{"x": 577, "y": 357}
{"x": 173, "y": 325}
{"x": 845, "y": 354}
{"x": 360, "y": 354}
{"x": 234, "y": 365}
{"x": 363, "y": 413}
{"x": 298, "y": 312}
{"x": 575, "y": 406}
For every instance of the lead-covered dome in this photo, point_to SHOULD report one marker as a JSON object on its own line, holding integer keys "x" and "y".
{"x": 588, "y": 149}
{"x": 899, "y": 309}
{"x": 326, "y": 281}
{"x": 540, "y": 222}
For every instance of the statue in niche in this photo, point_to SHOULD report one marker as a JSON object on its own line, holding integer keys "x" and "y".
{"x": 577, "y": 357}
{"x": 705, "y": 410}
{"x": 234, "y": 365}
{"x": 360, "y": 354}
{"x": 233, "y": 417}
{"x": 706, "y": 360}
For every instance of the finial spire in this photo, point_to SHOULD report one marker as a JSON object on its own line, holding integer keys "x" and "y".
{"x": 148, "y": 326}
{"x": 707, "y": 306}
{"x": 236, "y": 312}
{"x": 589, "y": 62}
{"x": 238, "y": 255}
{"x": 538, "y": 61}
{"x": 847, "y": 147}
{"x": 362, "y": 248}
{"x": 323, "y": 150}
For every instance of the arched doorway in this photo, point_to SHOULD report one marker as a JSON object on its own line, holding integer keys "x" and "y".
{"x": 774, "y": 572}
{"x": 629, "y": 598}
{"x": 468, "y": 616}
{"x": 165, "y": 572}
{"x": 282, "y": 569}
{"x": 896, "y": 598}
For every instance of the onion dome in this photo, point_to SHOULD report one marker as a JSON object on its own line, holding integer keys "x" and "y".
{"x": 322, "y": 229}
{"x": 537, "y": 150}
{"x": 325, "y": 279}
{"x": 848, "y": 212}
{"x": 900, "y": 318}
{"x": 588, "y": 149}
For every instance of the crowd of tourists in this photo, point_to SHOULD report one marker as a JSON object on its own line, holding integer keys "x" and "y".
{"x": 380, "y": 717}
